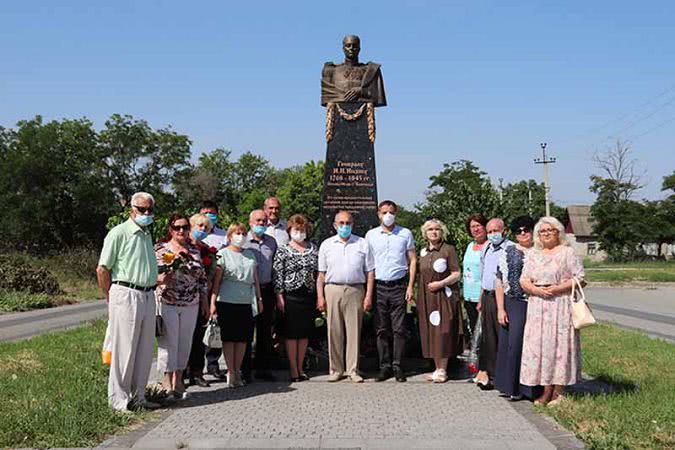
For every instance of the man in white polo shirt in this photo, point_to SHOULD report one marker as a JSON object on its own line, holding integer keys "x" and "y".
{"x": 345, "y": 289}
{"x": 395, "y": 264}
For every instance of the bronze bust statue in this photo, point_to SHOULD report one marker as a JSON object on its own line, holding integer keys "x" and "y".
{"x": 351, "y": 81}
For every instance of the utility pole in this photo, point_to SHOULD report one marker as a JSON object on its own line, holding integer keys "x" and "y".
{"x": 547, "y": 186}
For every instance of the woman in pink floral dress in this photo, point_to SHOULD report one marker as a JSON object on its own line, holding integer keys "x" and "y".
{"x": 551, "y": 352}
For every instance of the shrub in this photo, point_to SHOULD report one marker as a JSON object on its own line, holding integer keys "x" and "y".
{"x": 79, "y": 262}
{"x": 12, "y": 301}
{"x": 17, "y": 274}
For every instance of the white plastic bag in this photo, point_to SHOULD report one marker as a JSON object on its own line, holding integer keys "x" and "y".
{"x": 212, "y": 334}
{"x": 106, "y": 351}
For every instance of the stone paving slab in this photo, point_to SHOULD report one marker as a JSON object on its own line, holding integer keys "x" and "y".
{"x": 317, "y": 414}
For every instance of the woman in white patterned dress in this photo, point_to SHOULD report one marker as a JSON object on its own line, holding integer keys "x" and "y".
{"x": 551, "y": 352}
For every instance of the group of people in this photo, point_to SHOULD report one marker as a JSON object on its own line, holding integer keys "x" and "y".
{"x": 268, "y": 277}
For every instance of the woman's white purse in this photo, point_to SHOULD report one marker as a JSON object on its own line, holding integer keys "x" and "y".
{"x": 582, "y": 316}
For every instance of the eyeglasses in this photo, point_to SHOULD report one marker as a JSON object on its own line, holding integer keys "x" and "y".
{"x": 548, "y": 231}
{"x": 142, "y": 210}
{"x": 523, "y": 230}
{"x": 180, "y": 227}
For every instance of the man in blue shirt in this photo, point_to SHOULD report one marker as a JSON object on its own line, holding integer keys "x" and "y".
{"x": 264, "y": 248}
{"x": 395, "y": 265}
{"x": 489, "y": 261}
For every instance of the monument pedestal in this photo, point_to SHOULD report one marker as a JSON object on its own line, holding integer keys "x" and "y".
{"x": 349, "y": 178}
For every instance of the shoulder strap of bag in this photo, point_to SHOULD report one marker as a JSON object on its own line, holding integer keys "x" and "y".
{"x": 582, "y": 295}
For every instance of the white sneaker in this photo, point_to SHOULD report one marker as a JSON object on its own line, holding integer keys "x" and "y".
{"x": 335, "y": 376}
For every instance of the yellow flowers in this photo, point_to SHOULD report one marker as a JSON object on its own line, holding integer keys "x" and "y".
{"x": 168, "y": 257}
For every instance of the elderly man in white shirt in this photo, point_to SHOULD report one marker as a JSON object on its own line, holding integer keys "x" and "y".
{"x": 345, "y": 289}
{"x": 276, "y": 226}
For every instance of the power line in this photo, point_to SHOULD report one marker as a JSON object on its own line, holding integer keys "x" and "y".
{"x": 666, "y": 122}
{"x": 622, "y": 118}
{"x": 648, "y": 116}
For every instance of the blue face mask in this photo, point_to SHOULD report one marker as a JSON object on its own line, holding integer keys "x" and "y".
{"x": 212, "y": 217}
{"x": 259, "y": 230}
{"x": 495, "y": 238}
{"x": 143, "y": 220}
{"x": 199, "y": 235}
{"x": 344, "y": 231}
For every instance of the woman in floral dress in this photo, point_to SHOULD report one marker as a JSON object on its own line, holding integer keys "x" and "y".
{"x": 551, "y": 352}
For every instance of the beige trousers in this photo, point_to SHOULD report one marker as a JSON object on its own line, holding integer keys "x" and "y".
{"x": 173, "y": 349}
{"x": 131, "y": 321}
{"x": 345, "y": 312}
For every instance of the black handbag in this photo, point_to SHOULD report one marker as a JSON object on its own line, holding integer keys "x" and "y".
{"x": 159, "y": 323}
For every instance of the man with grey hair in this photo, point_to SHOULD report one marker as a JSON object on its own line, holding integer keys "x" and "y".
{"x": 264, "y": 247}
{"x": 345, "y": 290}
{"x": 489, "y": 262}
{"x": 276, "y": 226}
{"x": 127, "y": 275}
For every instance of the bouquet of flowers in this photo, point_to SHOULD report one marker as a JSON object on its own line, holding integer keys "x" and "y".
{"x": 209, "y": 256}
{"x": 173, "y": 262}
{"x": 472, "y": 360}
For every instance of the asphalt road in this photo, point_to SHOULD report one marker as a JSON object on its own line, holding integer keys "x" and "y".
{"x": 649, "y": 309}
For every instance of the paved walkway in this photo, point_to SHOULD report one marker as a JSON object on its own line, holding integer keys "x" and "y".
{"x": 318, "y": 414}
{"x": 649, "y": 308}
{"x": 16, "y": 326}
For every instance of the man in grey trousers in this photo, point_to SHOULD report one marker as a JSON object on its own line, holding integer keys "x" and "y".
{"x": 127, "y": 275}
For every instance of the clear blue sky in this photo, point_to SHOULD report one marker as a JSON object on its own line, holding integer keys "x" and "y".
{"x": 479, "y": 80}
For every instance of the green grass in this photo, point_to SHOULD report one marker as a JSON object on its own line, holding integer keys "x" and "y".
{"x": 54, "y": 391}
{"x": 649, "y": 271}
{"x": 641, "y": 415}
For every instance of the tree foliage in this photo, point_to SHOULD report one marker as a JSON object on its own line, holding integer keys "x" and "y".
{"x": 139, "y": 158}
{"x": 54, "y": 189}
{"x": 621, "y": 224}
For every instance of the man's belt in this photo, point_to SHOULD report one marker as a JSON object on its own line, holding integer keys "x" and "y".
{"x": 134, "y": 286}
{"x": 398, "y": 282}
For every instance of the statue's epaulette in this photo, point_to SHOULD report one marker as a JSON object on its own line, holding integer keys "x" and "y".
{"x": 329, "y": 64}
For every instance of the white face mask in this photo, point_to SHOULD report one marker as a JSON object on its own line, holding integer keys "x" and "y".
{"x": 388, "y": 219}
{"x": 298, "y": 236}
{"x": 238, "y": 240}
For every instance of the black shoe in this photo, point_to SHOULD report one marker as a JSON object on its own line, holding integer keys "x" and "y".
{"x": 265, "y": 376}
{"x": 217, "y": 373}
{"x": 399, "y": 375}
{"x": 199, "y": 381}
{"x": 485, "y": 386}
{"x": 246, "y": 377}
{"x": 384, "y": 375}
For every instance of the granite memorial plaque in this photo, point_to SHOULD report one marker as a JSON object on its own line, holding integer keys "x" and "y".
{"x": 350, "y": 92}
